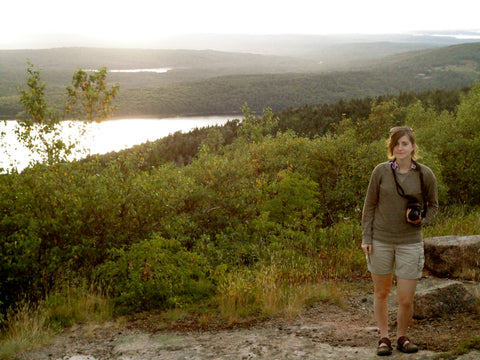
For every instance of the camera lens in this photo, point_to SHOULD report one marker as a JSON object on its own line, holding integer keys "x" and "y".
{"x": 414, "y": 215}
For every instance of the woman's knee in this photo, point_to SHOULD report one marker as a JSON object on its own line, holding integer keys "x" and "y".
{"x": 382, "y": 284}
{"x": 405, "y": 292}
{"x": 405, "y": 300}
{"x": 382, "y": 292}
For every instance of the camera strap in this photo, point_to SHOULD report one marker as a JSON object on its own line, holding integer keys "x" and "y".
{"x": 401, "y": 192}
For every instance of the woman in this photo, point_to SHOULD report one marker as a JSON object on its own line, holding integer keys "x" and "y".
{"x": 392, "y": 232}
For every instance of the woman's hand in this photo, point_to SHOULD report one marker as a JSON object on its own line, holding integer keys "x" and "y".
{"x": 367, "y": 248}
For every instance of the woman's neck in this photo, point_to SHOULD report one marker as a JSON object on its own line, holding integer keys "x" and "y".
{"x": 404, "y": 165}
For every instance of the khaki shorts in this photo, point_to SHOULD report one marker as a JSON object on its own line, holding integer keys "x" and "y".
{"x": 407, "y": 259}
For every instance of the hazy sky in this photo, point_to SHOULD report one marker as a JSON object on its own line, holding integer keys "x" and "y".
{"x": 143, "y": 19}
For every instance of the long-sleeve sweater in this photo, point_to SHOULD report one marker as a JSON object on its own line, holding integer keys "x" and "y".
{"x": 384, "y": 210}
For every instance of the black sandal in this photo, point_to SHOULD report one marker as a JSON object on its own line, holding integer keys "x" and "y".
{"x": 384, "y": 347}
{"x": 405, "y": 345}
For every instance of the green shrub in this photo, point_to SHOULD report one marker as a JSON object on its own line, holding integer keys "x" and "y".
{"x": 155, "y": 274}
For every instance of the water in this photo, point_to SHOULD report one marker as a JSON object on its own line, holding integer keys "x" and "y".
{"x": 107, "y": 136}
{"x": 156, "y": 70}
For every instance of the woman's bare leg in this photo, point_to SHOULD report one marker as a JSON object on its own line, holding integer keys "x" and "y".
{"x": 405, "y": 295}
{"x": 382, "y": 285}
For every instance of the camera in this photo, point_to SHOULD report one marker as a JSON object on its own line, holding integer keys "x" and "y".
{"x": 415, "y": 208}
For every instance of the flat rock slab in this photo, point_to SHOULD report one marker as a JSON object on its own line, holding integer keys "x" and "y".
{"x": 240, "y": 345}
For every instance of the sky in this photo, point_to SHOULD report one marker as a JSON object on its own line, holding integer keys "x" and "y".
{"x": 23, "y": 21}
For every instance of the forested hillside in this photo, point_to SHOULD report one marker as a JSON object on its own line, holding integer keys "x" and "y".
{"x": 211, "y": 82}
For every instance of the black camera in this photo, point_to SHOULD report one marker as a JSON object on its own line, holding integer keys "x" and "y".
{"x": 415, "y": 208}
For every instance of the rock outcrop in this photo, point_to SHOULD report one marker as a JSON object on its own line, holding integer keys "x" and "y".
{"x": 437, "y": 297}
{"x": 453, "y": 256}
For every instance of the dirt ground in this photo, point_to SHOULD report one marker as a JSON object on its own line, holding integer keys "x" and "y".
{"x": 322, "y": 331}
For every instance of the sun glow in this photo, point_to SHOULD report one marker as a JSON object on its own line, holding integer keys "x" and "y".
{"x": 143, "y": 21}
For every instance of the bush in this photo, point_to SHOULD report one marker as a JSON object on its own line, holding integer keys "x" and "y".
{"x": 155, "y": 274}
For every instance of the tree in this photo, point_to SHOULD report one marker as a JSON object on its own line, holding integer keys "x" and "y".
{"x": 41, "y": 129}
{"x": 254, "y": 128}
{"x": 89, "y": 97}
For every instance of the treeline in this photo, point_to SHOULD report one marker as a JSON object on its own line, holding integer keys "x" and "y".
{"x": 306, "y": 121}
{"x": 250, "y": 210}
{"x": 226, "y": 94}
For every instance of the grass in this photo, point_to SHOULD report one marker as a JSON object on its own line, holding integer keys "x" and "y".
{"x": 470, "y": 344}
{"x": 82, "y": 302}
{"x": 30, "y": 325}
{"x": 457, "y": 220}
{"x": 266, "y": 292}
{"x": 465, "y": 347}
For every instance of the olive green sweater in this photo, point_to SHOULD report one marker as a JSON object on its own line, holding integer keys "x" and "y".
{"x": 384, "y": 210}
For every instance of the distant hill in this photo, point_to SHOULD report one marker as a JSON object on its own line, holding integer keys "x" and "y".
{"x": 273, "y": 44}
{"x": 58, "y": 65}
{"x": 463, "y": 57}
{"x": 203, "y": 82}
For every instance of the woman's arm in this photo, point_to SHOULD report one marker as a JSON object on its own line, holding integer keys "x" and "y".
{"x": 369, "y": 206}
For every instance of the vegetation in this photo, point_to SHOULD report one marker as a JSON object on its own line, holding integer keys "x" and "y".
{"x": 30, "y": 324}
{"x": 259, "y": 219}
{"x": 40, "y": 129}
{"x": 468, "y": 345}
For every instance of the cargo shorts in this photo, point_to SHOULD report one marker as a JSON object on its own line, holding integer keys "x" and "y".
{"x": 406, "y": 259}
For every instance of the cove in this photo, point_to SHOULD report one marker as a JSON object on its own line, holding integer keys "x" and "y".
{"x": 107, "y": 136}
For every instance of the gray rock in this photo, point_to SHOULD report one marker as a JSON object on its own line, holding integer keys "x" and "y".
{"x": 453, "y": 256}
{"x": 436, "y": 298}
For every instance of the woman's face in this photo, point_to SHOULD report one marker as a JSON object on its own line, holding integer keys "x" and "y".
{"x": 403, "y": 149}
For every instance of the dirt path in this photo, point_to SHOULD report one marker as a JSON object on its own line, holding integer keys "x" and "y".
{"x": 323, "y": 331}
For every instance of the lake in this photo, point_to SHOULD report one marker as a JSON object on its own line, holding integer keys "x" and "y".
{"x": 107, "y": 136}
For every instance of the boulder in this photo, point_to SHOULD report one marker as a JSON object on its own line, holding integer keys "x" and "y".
{"x": 437, "y": 297}
{"x": 453, "y": 256}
